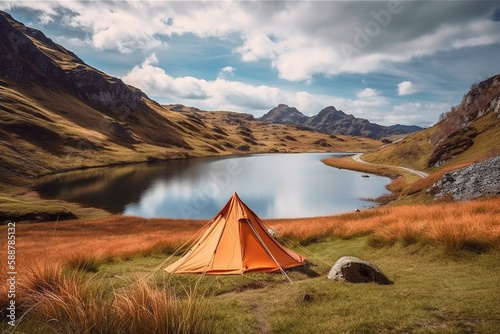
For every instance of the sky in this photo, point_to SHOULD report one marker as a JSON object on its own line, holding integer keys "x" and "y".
{"x": 391, "y": 62}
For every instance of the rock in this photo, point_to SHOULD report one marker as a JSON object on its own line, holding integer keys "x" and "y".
{"x": 307, "y": 298}
{"x": 480, "y": 179}
{"x": 354, "y": 270}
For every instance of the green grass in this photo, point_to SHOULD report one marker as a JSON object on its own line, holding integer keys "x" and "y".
{"x": 434, "y": 292}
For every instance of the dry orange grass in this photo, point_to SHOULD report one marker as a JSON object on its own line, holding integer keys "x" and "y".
{"x": 83, "y": 244}
{"x": 79, "y": 243}
{"x": 64, "y": 303}
{"x": 469, "y": 225}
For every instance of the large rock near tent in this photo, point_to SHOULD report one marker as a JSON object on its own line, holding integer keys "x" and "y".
{"x": 354, "y": 270}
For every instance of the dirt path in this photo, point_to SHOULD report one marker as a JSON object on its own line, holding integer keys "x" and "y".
{"x": 357, "y": 158}
{"x": 262, "y": 326}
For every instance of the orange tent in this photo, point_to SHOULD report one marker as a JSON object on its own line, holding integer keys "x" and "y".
{"x": 235, "y": 242}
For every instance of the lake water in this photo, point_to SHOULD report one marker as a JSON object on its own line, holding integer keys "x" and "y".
{"x": 272, "y": 185}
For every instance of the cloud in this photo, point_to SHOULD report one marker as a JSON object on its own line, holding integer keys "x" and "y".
{"x": 225, "y": 94}
{"x": 367, "y": 93}
{"x": 368, "y": 97}
{"x": 406, "y": 88}
{"x": 218, "y": 94}
{"x": 418, "y": 113}
{"x": 226, "y": 71}
{"x": 300, "y": 39}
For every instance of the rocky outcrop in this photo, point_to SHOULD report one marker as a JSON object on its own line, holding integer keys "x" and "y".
{"x": 354, "y": 270}
{"x": 335, "y": 122}
{"x": 456, "y": 143}
{"x": 480, "y": 179}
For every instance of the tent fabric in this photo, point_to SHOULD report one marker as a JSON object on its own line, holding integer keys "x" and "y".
{"x": 235, "y": 242}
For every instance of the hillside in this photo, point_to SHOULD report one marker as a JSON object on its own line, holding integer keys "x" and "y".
{"x": 335, "y": 122}
{"x": 466, "y": 133}
{"x": 59, "y": 113}
{"x": 256, "y": 136}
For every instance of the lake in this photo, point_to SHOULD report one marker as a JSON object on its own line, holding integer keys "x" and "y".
{"x": 272, "y": 185}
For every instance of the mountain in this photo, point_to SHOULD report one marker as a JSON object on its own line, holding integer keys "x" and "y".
{"x": 58, "y": 113}
{"x": 283, "y": 114}
{"x": 468, "y": 132}
{"x": 334, "y": 122}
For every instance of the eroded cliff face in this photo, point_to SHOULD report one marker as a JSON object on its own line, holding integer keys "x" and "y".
{"x": 27, "y": 55}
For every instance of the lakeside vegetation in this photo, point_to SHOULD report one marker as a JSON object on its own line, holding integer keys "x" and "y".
{"x": 85, "y": 276}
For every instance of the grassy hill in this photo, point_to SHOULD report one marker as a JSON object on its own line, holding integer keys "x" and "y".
{"x": 466, "y": 134}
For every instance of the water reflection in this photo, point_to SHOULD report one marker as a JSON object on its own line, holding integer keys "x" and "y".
{"x": 273, "y": 185}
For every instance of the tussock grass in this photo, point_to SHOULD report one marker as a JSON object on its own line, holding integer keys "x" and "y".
{"x": 143, "y": 309}
{"x": 454, "y": 226}
{"x": 72, "y": 305}
{"x": 84, "y": 262}
{"x": 59, "y": 302}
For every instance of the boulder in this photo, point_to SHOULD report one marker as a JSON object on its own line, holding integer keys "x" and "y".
{"x": 354, "y": 270}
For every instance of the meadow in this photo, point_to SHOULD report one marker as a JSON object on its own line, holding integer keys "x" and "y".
{"x": 105, "y": 276}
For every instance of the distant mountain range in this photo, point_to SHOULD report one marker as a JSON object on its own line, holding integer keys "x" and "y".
{"x": 335, "y": 122}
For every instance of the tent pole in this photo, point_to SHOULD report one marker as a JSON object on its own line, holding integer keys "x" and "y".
{"x": 267, "y": 250}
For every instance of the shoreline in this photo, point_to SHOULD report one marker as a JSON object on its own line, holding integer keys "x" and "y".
{"x": 401, "y": 178}
{"x": 22, "y": 203}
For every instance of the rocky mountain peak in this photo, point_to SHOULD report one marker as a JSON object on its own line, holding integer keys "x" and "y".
{"x": 330, "y": 114}
{"x": 283, "y": 114}
{"x": 333, "y": 121}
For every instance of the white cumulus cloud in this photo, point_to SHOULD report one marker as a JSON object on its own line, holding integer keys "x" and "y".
{"x": 211, "y": 94}
{"x": 407, "y": 88}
